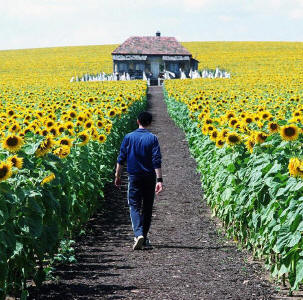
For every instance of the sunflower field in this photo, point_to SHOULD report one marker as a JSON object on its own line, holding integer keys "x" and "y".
{"x": 58, "y": 148}
{"x": 246, "y": 135}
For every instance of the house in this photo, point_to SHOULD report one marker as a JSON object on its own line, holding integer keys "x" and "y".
{"x": 152, "y": 55}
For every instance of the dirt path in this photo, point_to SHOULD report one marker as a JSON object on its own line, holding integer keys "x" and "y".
{"x": 189, "y": 259}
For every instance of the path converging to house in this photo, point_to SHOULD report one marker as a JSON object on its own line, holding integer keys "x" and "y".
{"x": 189, "y": 259}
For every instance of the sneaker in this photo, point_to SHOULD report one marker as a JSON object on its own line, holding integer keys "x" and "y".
{"x": 147, "y": 244}
{"x": 138, "y": 243}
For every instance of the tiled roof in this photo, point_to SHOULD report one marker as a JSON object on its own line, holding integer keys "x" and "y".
{"x": 151, "y": 45}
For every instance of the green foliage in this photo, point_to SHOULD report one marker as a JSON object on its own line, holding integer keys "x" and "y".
{"x": 260, "y": 205}
{"x": 37, "y": 221}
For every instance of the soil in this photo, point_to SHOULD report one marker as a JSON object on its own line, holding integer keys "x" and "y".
{"x": 189, "y": 259}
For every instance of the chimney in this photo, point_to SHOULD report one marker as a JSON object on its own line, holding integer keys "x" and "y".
{"x": 158, "y": 33}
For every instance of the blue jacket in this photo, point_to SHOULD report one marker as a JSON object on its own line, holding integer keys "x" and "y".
{"x": 141, "y": 150}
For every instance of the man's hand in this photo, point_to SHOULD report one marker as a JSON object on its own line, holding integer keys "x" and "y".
{"x": 117, "y": 181}
{"x": 118, "y": 175}
{"x": 159, "y": 187}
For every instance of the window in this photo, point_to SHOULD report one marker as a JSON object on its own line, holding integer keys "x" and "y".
{"x": 122, "y": 67}
{"x": 174, "y": 67}
{"x": 140, "y": 66}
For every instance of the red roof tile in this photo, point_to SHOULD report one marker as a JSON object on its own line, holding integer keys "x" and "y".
{"x": 152, "y": 45}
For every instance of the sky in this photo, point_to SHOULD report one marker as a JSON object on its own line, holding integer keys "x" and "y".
{"x": 49, "y": 23}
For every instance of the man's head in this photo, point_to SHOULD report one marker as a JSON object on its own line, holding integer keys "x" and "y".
{"x": 144, "y": 119}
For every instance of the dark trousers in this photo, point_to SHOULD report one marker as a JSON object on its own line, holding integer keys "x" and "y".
{"x": 141, "y": 193}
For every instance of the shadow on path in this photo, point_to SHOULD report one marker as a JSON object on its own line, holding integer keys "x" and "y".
{"x": 96, "y": 257}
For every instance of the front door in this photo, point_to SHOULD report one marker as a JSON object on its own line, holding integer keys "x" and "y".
{"x": 155, "y": 68}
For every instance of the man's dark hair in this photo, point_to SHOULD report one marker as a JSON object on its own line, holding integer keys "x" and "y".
{"x": 145, "y": 118}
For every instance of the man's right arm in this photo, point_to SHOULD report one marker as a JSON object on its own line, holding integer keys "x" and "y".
{"x": 120, "y": 161}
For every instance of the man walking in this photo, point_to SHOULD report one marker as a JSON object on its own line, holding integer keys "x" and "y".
{"x": 141, "y": 150}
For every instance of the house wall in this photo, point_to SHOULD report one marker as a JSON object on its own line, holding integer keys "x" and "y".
{"x": 153, "y": 65}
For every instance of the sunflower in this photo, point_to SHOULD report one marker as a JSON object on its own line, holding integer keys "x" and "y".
{"x": 15, "y": 128}
{"x": 88, "y": 124}
{"x": 62, "y": 151}
{"x": 49, "y": 123}
{"x": 224, "y": 133}
{"x": 111, "y": 113}
{"x": 54, "y": 131}
{"x": 220, "y": 142}
{"x": 101, "y": 138}
{"x": 84, "y": 138}
{"x": 289, "y": 132}
{"x": 208, "y": 120}
{"x": 10, "y": 113}
{"x": 233, "y": 138}
{"x": 5, "y": 170}
{"x": 61, "y": 128}
{"x": 65, "y": 142}
{"x": 100, "y": 124}
{"x": 81, "y": 118}
{"x": 230, "y": 115}
{"x": 72, "y": 114}
{"x": 44, "y": 132}
{"x": 233, "y": 122}
{"x": 45, "y": 146}
{"x": 48, "y": 179}
{"x": 250, "y": 143}
{"x": 16, "y": 161}
{"x": 204, "y": 129}
{"x": 295, "y": 167}
{"x": 273, "y": 127}
{"x": 210, "y": 128}
{"x": 260, "y": 137}
{"x": 69, "y": 125}
{"x": 214, "y": 135}
{"x": 12, "y": 143}
{"x": 297, "y": 113}
{"x": 248, "y": 120}
{"x": 265, "y": 115}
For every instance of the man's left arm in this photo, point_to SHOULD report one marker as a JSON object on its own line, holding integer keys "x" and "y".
{"x": 159, "y": 184}
{"x": 156, "y": 159}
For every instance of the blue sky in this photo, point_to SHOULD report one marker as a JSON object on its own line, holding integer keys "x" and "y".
{"x": 47, "y": 23}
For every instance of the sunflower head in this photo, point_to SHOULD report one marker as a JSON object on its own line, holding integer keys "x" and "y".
{"x": 224, "y": 133}
{"x": 250, "y": 143}
{"x": 233, "y": 122}
{"x": 5, "y": 170}
{"x": 220, "y": 143}
{"x": 69, "y": 125}
{"x": 48, "y": 179}
{"x": 233, "y": 138}
{"x": 88, "y": 124}
{"x": 62, "y": 151}
{"x": 273, "y": 127}
{"x": 66, "y": 142}
{"x": 12, "y": 143}
{"x": 111, "y": 113}
{"x": 260, "y": 137}
{"x": 248, "y": 120}
{"x": 289, "y": 132}
{"x": 45, "y": 146}
{"x": 295, "y": 167}
{"x": 16, "y": 161}
{"x": 101, "y": 138}
{"x": 214, "y": 135}
{"x": 84, "y": 138}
